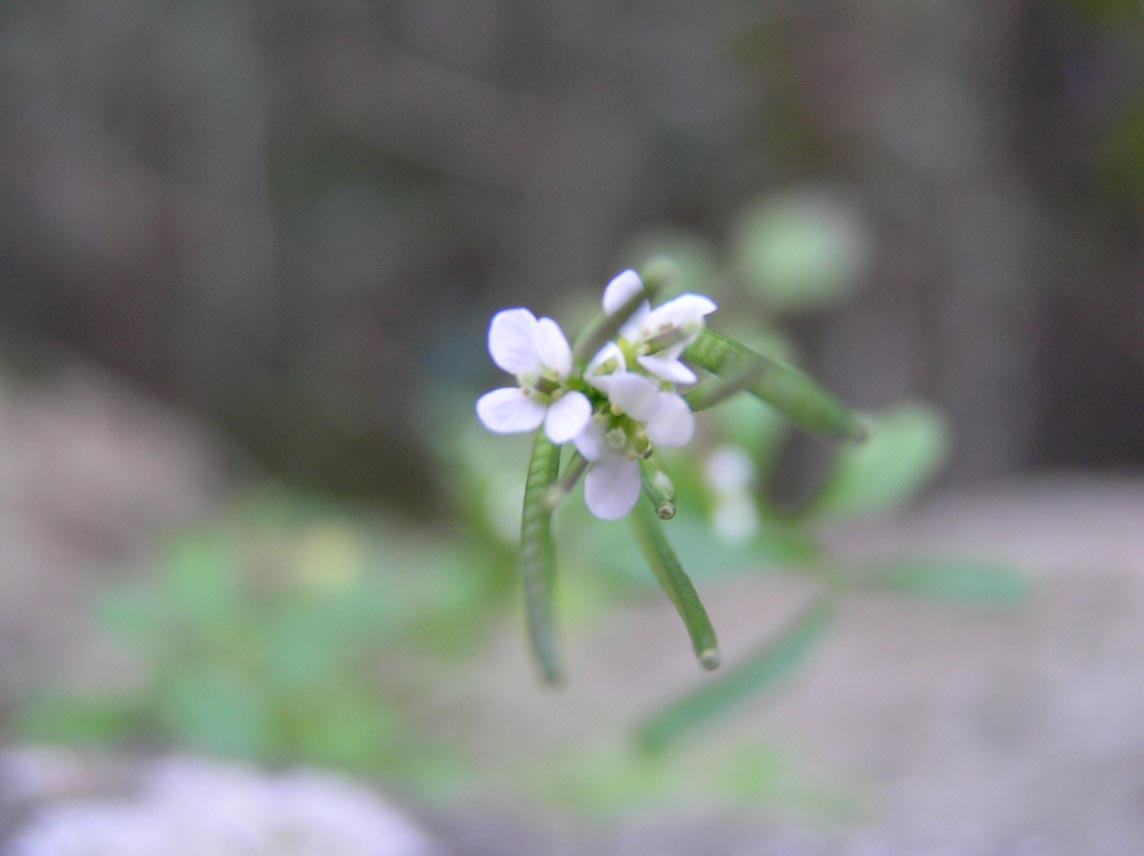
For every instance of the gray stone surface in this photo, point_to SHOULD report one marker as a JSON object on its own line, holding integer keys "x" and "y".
{"x": 954, "y": 729}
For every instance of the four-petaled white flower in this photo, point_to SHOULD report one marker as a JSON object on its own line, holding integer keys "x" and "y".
{"x": 538, "y": 355}
{"x": 658, "y": 337}
{"x": 634, "y": 411}
{"x": 640, "y": 415}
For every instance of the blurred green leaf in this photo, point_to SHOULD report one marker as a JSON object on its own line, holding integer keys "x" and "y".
{"x": 758, "y": 672}
{"x": 800, "y": 252}
{"x": 134, "y": 612}
{"x": 216, "y": 708}
{"x": 973, "y": 581}
{"x": 301, "y": 647}
{"x": 199, "y": 576}
{"x": 344, "y": 726}
{"x": 609, "y": 781}
{"x": 906, "y": 447}
{"x": 696, "y": 257}
{"x": 755, "y": 773}
{"x": 73, "y": 720}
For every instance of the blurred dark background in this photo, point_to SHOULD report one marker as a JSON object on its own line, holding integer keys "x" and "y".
{"x": 295, "y": 218}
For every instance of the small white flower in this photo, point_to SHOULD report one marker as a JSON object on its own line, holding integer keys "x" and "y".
{"x": 730, "y": 474}
{"x": 658, "y": 337}
{"x": 640, "y": 415}
{"x": 538, "y": 355}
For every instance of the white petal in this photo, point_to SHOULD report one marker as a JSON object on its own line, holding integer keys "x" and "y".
{"x": 553, "y": 347}
{"x": 591, "y": 442}
{"x": 567, "y": 417}
{"x": 512, "y": 341}
{"x": 623, "y": 287}
{"x": 612, "y": 487}
{"x": 620, "y": 290}
{"x": 674, "y": 423}
{"x": 595, "y": 374}
{"x": 667, "y": 368}
{"x": 635, "y": 395}
{"x": 509, "y": 411}
{"x": 684, "y": 311}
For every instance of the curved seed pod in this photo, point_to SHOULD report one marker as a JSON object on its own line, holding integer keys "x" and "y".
{"x": 781, "y": 386}
{"x": 538, "y": 557}
{"x": 658, "y": 487}
{"x": 775, "y": 659}
{"x": 676, "y": 585}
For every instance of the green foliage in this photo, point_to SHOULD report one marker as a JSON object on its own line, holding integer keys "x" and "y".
{"x": 988, "y": 583}
{"x": 908, "y": 443}
{"x": 799, "y": 253}
{"x": 268, "y": 638}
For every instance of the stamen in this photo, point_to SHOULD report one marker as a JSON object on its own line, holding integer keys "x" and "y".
{"x": 664, "y": 339}
{"x": 546, "y": 386}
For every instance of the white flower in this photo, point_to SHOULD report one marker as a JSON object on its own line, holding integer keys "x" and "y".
{"x": 658, "y": 337}
{"x": 729, "y": 474}
{"x": 640, "y": 415}
{"x": 536, "y": 352}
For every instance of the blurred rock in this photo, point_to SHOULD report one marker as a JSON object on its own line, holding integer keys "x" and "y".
{"x": 918, "y": 727}
{"x": 188, "y": 805}
{"x": 92, "y": 476}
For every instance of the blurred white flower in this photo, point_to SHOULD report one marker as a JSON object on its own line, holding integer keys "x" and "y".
{"x": 730, "y": 475}
{"x": 538, "y": 355}
{"x": 657, "y": 338}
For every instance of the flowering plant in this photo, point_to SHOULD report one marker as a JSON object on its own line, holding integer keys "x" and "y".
{"x": 627, "y": 387}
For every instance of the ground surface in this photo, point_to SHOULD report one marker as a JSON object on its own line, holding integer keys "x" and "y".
{"x": 922, "y": 727}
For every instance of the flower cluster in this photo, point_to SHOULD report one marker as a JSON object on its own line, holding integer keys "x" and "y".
{"x": 618, "y": 406}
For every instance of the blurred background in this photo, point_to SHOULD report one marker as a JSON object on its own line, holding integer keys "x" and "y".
{"x": 248, "y": 254}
